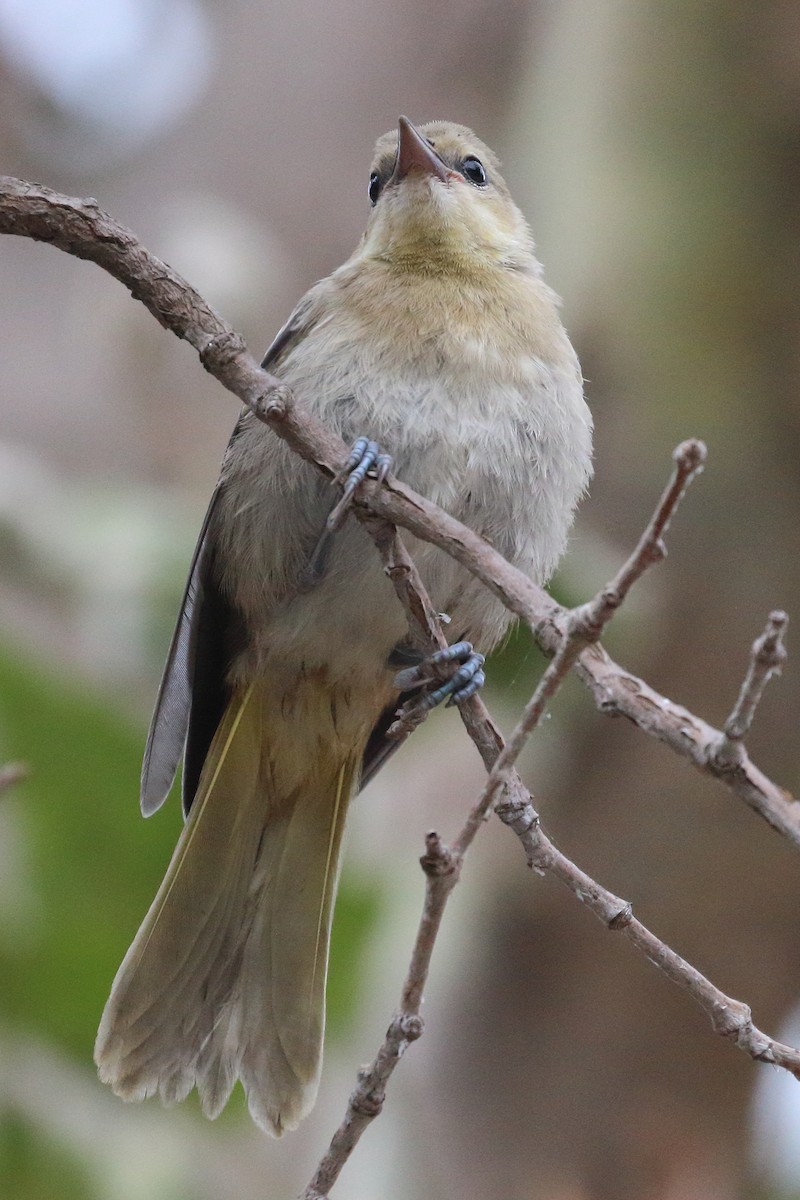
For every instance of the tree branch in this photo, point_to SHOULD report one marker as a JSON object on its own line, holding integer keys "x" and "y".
{"x": 570, "y": 637}
{"x": 767, "y": 656}
{"x": 81, "y": 228}
{"x": 581, "y": 626}
{"x": 729, "y": 1018}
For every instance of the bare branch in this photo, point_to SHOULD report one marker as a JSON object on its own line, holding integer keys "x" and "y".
{"x": 581, "y": 626}
{"x": 730, "y": 1018}
{"x": 443, "y": 866}
{"x": 441, "y": 869}
{"x": 569, "y": 636}
{"x": 689, "y": 459}
{"x": 767, "y": 656}
{"x": 81, "y": 228}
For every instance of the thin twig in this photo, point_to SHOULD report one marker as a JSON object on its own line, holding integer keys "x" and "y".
{"x": 584, "y": 625}
{"x": 689, "y": 458}
{"x": 441, "y": 869}
{"x": 620, "y": 693}
{"x": 767, "y": 659}
{"x": 426, "y": 635}
{"x": 767, "y": 656}
{"x": 424, "y": 624}
{"x": 80, "y": 227}
{"x": 443, "y": 866}
{"x": 730, "y": 1018}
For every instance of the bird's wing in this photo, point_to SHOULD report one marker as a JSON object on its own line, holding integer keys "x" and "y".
{"x": 380, "y": 748}
{"x": 302, "y": 318}
{"x": 193, "y": 693}
{"x": 170, "y": 720}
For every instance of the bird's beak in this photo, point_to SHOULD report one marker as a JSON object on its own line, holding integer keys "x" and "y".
{"x": 414, "y": 153}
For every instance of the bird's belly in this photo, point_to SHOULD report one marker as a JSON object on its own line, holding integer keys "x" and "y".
{"x": 499, "y": 457}
{"x": 347, "y": 624}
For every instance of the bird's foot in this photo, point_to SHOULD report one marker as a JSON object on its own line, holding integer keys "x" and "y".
{"x": 465, "y": 681}
{"x": 365, "y": 458}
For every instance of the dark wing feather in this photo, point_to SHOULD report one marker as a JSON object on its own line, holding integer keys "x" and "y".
{"x": 217, "y": 635}
{"x": 193, "y": 692}
{"x": 170, "y": 720}
{"x": 380, "y": 748}
{"x": 298, "y": 324}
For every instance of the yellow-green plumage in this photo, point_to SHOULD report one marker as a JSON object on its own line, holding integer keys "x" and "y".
{"x": 226, "y": 976}
{"x": 439, "y": 340}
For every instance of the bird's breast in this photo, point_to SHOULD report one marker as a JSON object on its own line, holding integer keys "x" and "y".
{"x": 478, "y": 418}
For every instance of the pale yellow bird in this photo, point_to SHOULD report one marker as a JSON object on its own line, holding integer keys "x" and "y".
{"x": 439, "y": 341}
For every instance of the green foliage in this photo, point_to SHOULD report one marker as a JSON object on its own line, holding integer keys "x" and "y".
{"x": 87, "y": 867}
{"x": 358, "y": 909}
{"x": 515, "y": 666}
{"x": 31, "y": 1168}
{"x": 92, "y": 866}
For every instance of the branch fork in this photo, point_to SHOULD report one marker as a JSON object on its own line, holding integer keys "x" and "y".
{"x": 767, "y": 656}
{"x": 569, "y": 637}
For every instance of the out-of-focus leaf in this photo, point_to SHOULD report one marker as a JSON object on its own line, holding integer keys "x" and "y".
{"x": 95, "y": 865}
{"x": 31, "y": 1168}
{"x": 358, "y": 908}
{"x": 92, "y": 864}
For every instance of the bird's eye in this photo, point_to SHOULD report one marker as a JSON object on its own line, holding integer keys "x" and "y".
{"x": 472, "y": 169}
{"x": 374, "y": 187}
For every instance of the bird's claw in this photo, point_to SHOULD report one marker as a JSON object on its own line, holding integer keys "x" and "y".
{"x": 366, "y": 457}
{"x": 463, "y": 683}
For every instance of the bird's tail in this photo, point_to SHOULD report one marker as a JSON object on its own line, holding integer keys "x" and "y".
{"x": 226, "y": 976}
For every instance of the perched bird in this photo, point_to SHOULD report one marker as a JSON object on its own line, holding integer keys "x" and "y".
{"x": 438, "y": 341}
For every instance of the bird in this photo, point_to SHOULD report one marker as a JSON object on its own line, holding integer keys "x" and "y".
{"x": 436, "y": 349}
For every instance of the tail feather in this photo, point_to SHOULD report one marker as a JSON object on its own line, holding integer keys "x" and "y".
{"x": 226, "y": 976}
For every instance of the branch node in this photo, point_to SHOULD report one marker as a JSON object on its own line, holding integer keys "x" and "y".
{"x": 438, "y": 858}
{"x": 623, "y": 918}
{"x": 586, "y": 622}
{"x": 726, "y": 754}
{"x": 733, "y": 1019}
{"x": 396, "y": 571}
{"x": 769, "y": 649}
{"x": 690, "y": 456}
{"x": 273, "y": 404}
{"x": 767, "y": 656}
{"x": 221, "y": 349}
{"x": 518, "y": 814}
{"x": 368, "y": 1103}
{"x": 410, "y": 1026}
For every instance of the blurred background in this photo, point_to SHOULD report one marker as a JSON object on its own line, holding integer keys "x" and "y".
{"x": 655, "y": 150}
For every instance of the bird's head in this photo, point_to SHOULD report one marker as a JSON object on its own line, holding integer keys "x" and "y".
{"x": 440, "y": 204}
